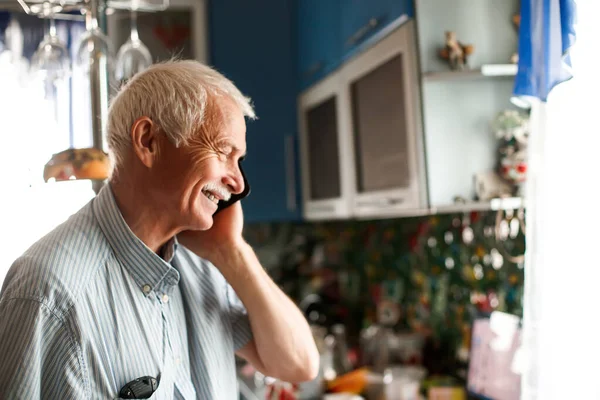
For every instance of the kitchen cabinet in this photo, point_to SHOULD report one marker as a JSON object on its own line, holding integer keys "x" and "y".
{"x": 332, "y": 31}
{"x": 326, "y": 151}
{"x": 361, "y": 137}
{"x": 319, "y": 39}
{"x": 362, "y": 20}
{"x": 255, "y": 48}
{"x": 385, "y": 126}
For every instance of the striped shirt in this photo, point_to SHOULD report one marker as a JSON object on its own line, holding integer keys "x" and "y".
{"x": 89, "y": 308}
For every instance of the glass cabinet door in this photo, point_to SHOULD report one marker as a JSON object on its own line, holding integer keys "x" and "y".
{"x": 379, "y": 114}
{"x": 323, "y": 150}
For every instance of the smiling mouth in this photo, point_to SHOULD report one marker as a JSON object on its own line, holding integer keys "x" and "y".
{"x": 211, "y": 196}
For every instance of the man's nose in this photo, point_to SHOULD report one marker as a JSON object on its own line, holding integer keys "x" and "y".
{"x": 234, "y": 180}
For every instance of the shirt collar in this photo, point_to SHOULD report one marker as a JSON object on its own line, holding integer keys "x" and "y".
{"x": 148, "y": 269}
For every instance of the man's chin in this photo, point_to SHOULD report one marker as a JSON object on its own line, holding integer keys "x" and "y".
{"x": 203, "y": 223}
{"x": 203, "y": 214}
{"x": 199, "y": 220}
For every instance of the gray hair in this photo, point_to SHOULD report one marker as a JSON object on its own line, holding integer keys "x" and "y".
{"x": 175, "y": 95}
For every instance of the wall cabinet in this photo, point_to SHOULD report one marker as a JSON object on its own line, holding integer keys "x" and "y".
{"x": 361, "y": 136}
{"x": 364, "y": 20}
{"x": 319, "y": 37}
{"x": 330, "y": 32}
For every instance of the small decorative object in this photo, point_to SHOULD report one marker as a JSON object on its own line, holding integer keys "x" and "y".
{"x": 511, "y": 127}
{"x": 513, "y": 167}
{"x": 489, "y": 185}
{"x": 455, "y": 52}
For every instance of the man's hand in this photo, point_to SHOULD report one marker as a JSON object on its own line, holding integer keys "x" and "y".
{"x": 224, "y": 236}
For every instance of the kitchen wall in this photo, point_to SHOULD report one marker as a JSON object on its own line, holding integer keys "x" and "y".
{"x": 437, "y": 273}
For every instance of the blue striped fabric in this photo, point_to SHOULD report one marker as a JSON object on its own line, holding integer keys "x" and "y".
{"x": 89, "y": 308}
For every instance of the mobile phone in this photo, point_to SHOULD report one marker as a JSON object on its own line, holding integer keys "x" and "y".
{"x": 235, "y": 197}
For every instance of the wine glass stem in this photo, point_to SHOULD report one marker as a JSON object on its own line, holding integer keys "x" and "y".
{"x": 52, "y": 27}
{"x": 91, "y": 16}
{"x": 134, "y": 32}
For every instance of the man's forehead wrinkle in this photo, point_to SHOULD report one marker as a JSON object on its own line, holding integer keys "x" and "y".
{"x": 214, "y": 133}
{"x": 210, "y": 132}
{"x": 215, "y": 143}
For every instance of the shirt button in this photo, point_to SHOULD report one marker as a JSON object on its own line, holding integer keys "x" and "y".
{"x": 178, "y": 361}
{"x": 146, "y": 288}
{"x": 165, "y": 298}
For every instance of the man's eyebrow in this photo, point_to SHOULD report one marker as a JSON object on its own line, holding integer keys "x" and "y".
{"x": 223, "y": 143}
{"x": 242, "y": 153}
{"x": 227, "y": 143}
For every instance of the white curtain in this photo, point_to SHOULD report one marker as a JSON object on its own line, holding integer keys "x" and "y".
{"x": 561, "y": 345}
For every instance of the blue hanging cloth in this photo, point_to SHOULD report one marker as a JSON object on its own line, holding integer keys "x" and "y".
{"x": 546, "y": 34}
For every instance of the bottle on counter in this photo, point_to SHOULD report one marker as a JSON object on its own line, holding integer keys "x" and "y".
{"x": 341, "y": 361}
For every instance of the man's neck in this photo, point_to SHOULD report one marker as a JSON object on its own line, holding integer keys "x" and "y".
{"x": 145, "y": 219}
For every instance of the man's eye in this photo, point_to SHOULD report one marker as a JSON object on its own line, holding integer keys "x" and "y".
{"x": 223, "y": 155}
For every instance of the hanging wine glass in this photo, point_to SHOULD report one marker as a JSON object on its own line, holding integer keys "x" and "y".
{"x": 94, "y": 47}
{"x": 51, "y": 59}
{"x": 133, "y": 56}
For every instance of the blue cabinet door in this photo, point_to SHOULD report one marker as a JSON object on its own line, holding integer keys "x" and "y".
{"x": 319, "y": 39}
{"x": 254, "y": 47}
{"x": 363, "y": 19}
{"x": 331, "y": 31}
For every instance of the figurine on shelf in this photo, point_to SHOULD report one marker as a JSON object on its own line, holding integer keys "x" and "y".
{"x": 455, "y": 52}
{"x": 513, "y": 166}
{"x": 511, "y": 127}
{"x": 489, "y": 185}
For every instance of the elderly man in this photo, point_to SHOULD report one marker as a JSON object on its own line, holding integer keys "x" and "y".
{"x": 144, "y": 281}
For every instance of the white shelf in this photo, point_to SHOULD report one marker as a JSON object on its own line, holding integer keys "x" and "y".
{"x": 508, "y": 203}
{"x": 485, "y": 71}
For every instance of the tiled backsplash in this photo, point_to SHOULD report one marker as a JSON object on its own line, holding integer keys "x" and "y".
{"x": 434, "y": 273}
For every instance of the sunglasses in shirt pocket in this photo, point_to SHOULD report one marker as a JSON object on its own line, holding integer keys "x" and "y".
{"x": 235, "y": 197}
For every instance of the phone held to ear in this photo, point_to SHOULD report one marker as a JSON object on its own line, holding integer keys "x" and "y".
{"x": 235, "y": 197}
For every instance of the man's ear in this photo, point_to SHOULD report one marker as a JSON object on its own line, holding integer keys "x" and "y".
{"x": 145, "y": 141}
